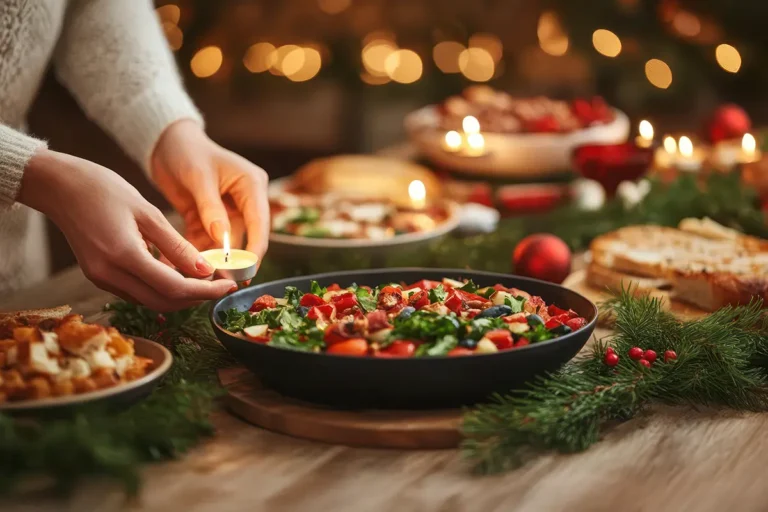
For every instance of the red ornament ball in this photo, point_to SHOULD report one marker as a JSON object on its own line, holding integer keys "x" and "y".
{"x": 728, "y": 122}
{"x": 611, "y": 359}
{"x": 669, "y": 355}
{"x": 650, "y": 356}
{"x": 636, "y": 353}
{"x": 544, "y": 257}
{"x": 645, "y": 363}
{"x": 610, "y": 350}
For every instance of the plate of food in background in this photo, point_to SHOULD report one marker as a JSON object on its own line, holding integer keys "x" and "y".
{"x": 492, "y": 133}
{"x": 368, "y": 204}
{"x": 51, "y": 360}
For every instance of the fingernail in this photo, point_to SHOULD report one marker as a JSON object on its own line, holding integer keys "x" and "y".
{"x": 232, "y": 288}
{"x": 217, "y": 230}
{"x": 203, "y": 266}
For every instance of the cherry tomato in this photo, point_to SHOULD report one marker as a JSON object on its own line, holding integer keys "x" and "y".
{"x": 337, "y": 333}
{"x": 522, "y": 342}
{"x": 377, "y": 320}
{"x": 263, "y": 302}
{"x": 576, "y": 323}
{"x": 518, "y": 318}
{"x": 454, "y": 302}
{"x": 326, "y": 311}
{"x": 425, "y": 284}
{"x": 390, "y": 297}
{"x": 460, "y": 351}
{"x": 344, "y": 301}
{"x": 419, "y": 299}
{"x": 333, "y": 288}
{"x": 351, "y": 347}
{"x": 555, "y": 311}
{"x": 310, "y": 299}
{"x": 552, "y": 323}
{"x": 502, "y": 338}
{"x": 398, "y": 349}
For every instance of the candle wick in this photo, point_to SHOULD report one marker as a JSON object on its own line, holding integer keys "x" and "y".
{"x": 226, "y": 257}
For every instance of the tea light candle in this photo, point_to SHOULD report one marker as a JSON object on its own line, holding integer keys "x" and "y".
{"x": 665, "y": 155}
{"x": 476, "y": 144}
{"x": 234, "y": 264}
{"x": 688, "y": 158}
{"x": 470, "y": 125}
{"x": 729, "y": 153}
{"x": 453, "y": 141}
{"x": 645, "y": 139}
{"x": 418, "y": 194}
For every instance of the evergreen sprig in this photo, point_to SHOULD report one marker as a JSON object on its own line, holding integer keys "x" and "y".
{"x": 103, "y": 441}
{"x": 720, "y": 362}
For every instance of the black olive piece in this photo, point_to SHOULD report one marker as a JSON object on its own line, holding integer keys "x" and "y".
{"x": 302, "y": 310}
{"x": 495, "y": 312}
{"x": 534, "y": 320}
{"x": 406, "y": 312}
{"x": 468, "y": 343}
{"x": 561, "y": 329}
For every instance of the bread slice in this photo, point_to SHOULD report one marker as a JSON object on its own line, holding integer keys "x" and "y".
{"x": 361, "y": 177}
{"x": 615, "y": 281}
{"x": 32, "y": 315}
{"x": 701, "y": 263}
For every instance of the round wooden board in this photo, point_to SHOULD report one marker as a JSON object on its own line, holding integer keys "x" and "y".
{"x": 247, "y": 398}
{"x": 577, "y": 282}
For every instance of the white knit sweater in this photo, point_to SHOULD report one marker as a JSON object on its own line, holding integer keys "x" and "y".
{"x": 113, "y": 57}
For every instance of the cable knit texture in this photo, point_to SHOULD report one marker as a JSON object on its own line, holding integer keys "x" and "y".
{"x": 113, "y": 57}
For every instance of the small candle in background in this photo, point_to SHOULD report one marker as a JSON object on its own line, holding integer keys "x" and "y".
{"x": 749, "y": 152}
{"x": 476, "y": 143}
{"x": 688, "y": 159}
{"x": 665, "y": 156}
{"x": 470, "y": 125}
{"x": 645, "y": 139}
{"x": 452, "y": 141}
{"x": 670, "y": 146}
{"x": 727, "y": 154}
{"x": 418, "y": 194}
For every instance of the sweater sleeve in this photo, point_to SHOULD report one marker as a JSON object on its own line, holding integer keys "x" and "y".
{"x": 114, "y": 58}
{"x": 16, "y": 149}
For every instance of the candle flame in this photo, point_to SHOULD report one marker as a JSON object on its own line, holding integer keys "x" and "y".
{"x": 670, "y": 146}
{"x": 748, "y": 143}
{"x": 686, "y": 146}
{"x": 418, "y": 193}
{"x": 470, "y": 124}
{"x": 476, "y": 141}
{"x": 453, "y": 139}
{"x": 646, "y": 130}
{"x": 227, "y": 249}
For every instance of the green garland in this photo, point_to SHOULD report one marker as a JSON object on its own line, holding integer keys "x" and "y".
{"x": 567, "y": 410}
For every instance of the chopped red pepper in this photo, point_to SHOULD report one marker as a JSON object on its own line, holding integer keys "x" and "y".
{"x": 310, "y": 299}
{"x": 522, "y": 342}
{"x": 576, "y": 323}
{"x": 454, "y": 302}
{"x": 263, "y": 302}
{"x": 502, "y": 338}
{"x": 325, "y": 311}
{"x": 344, "y": 301}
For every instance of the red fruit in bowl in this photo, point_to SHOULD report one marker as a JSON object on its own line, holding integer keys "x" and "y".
{"x": 546, "y": 124}
{"x": 544, "y": 257}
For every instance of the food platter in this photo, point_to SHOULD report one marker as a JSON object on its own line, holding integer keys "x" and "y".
{"x": 508, "y": 155}
{"x": 407, "y": 383}
{"x": 121, "y": 395}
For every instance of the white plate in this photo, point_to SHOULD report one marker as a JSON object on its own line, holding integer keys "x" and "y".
{"x": 280, "y": 239}
{"x": 524, "y": 155}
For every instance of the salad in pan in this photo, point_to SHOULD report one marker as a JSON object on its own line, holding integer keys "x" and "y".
{"x": 427, "y": 318}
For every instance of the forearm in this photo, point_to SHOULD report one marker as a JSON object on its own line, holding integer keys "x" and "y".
{"x": 114, "y": 58}
{"x": 16, "y": 150}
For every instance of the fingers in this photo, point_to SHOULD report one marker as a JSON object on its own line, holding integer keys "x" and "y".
{"x": 174, "y": 247}
{"x": 210, "y": 207}
{"x": 133, "y": 290}
{"x": 250, "y": 195}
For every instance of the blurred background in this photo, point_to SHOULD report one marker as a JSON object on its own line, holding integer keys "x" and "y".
{"x": 285, "y": 81}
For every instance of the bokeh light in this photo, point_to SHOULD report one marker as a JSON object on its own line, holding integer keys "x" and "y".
{"x": 728, "y": 57}
{"x": 333, "y": 6}
{"x": 477, "y": 64}
{"x": 313, "y": 61}
{"x": 488, "y": 42}
{"x": 686, "y": 24}
{"x": 206, "y": 62}
{"x": 606, "y": 42}
{"x": 552, "y": 38}
{"x": 374, "y": 79}
{"x": 174, "y": 35}
{"x": 169, "y": 13}
{"x": 403, "y": 66}
{"x": 260, "y": 57}
{"x": 290, "y": 56}
{"x": 658, "y": 73}
{"x": 375, "y": 55}
{"x": 446, "y": 56}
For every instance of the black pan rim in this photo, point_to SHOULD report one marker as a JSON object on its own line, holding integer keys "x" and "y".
{"x": 419, "y": 360}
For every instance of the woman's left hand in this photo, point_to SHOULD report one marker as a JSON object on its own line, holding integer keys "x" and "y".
{"x": 211, "y": 186}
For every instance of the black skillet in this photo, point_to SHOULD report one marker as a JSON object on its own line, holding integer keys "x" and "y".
{"x": 427, "y": 382}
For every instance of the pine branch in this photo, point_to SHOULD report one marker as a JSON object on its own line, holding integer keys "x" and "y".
{"x": 719, "y": 363}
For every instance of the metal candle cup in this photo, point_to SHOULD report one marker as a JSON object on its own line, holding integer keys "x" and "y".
{"x": 237, "y": 265}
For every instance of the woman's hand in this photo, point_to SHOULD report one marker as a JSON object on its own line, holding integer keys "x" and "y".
{"x": 108, "y": 224}
{"x": 210, "y": 186}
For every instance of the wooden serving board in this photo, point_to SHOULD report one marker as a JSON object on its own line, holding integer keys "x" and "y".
{"x": 247, "y": 398}
{"x": 577, "y": 282}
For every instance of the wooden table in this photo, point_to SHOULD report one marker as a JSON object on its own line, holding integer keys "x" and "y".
{"x": 675, "y": 459}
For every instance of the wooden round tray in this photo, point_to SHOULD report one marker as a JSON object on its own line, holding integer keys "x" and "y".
{"x": 247, "y": 398}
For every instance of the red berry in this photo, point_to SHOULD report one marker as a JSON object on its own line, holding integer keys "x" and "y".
{"x": 611, "y": 359}
{"x": 636, "y": 353}
{"x": 669, "y": 355}
{"x": 609, "y": 350}
{"x": 650, "y": 356}
{"x": 645, "y": 363}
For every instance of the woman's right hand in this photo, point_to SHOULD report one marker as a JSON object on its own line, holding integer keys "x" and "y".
{"x": 108, "y": 224}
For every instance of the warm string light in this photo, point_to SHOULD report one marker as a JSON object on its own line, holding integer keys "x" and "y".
{"x": 658, "y": 73}
{"x": 728, "y": 58}
{"x": 206, "y": 62}
{"x": 296, "y": 63}
{"x": 606, "y": 42}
